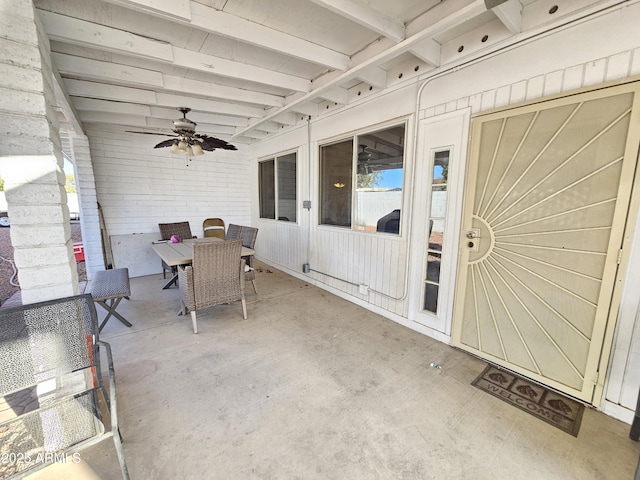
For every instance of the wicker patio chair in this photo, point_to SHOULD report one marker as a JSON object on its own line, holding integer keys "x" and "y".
{"x": 54, "y": 401}
{"x": 248, "y": 236}
{"x": 216, "y": 277}
{"x": 182, "y": 230}
{"x": 213, "y": 227}
{"x": 233, "y": 232}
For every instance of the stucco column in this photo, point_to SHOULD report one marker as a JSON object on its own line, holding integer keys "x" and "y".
{"x": 88, "y": 201}
{"x": 31, "y": 158}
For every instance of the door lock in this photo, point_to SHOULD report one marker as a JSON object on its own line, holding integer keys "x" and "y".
{"x": 474, "y": 239}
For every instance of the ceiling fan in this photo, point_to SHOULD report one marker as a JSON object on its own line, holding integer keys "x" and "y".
{"x": 363, "y": 160}
{"x": 186, "y": 141}
{"x": 364, "y": 155}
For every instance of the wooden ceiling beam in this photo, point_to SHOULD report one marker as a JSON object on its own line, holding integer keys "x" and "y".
{"x": 81, "y": 88}
{"x": 97, "y": 70}
{"x": 199, "y": 117}
{"x": 428, "y": 51}
{"x": 87, "y": 34}
{"x": 172, "y": 9}
{"x": 218, "y": 22}
{"x": 443, "y": 17}
{"x": 106, "y": 106}
{"x": 337, "y": 95}
{"x": 367, "y": 17}
{"x": 374, "y": 76}
{"x": 106, "y": 72}
{"x": 510, "y": 14}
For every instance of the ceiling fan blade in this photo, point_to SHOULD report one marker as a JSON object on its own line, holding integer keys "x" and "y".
{"x": 211, "y": 143}
{"x": 166, "y": 143}
{"x": 152, "y": 133}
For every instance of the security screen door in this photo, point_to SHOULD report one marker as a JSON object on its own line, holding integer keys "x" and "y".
{"x": 546, "y": 202}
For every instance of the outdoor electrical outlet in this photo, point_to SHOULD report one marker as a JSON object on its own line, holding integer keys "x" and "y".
{"x": 363, "y": 289}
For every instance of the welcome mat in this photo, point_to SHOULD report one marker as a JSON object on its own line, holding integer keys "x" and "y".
{"x": 548, "y": 405}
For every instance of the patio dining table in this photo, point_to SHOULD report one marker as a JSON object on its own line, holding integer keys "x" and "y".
{"x": 181, "y": 253}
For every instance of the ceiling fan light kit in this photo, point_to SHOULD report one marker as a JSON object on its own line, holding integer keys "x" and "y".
{"x": 187, "y": 142}
{"x": 197, "y": 150}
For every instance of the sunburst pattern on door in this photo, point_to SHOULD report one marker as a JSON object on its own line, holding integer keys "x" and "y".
{"x": 539, "y": 233}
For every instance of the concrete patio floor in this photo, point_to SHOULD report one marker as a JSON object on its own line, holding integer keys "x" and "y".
{"x": 313, "y": 387}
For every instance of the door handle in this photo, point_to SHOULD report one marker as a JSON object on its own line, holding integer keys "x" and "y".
{"x": 473, "y": 235}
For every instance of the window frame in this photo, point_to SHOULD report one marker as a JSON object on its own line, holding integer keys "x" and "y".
{"x": 353, "y": 138}
{"x": 350, "y": 183}
{"x": 431, "y": 188}
{"x": 276, "y": 186}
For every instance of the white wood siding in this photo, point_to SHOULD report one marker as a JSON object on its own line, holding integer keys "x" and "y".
{"x": 354, "y": 258}
{"x": 340, "y": 258}
{"x": 624, "y": 374}
{"x": 282, "y": 244}
{"x": 618, "y": 67}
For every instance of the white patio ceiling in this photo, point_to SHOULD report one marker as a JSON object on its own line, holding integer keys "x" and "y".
{"x": 249, "y": 68}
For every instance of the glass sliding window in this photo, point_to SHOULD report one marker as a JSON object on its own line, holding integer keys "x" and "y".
{"x": 361, "y": 181}
{"x": 266, "y": 174}
{"x": 278, "y": 187}
{"x": 436, "y": 224}
{"x": 379, "y": 176}
{"x": 336, "y": 167}
{"x": 286, "y": 166}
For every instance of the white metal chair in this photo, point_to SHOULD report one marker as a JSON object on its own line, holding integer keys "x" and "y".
{"x": 213, "y": 227}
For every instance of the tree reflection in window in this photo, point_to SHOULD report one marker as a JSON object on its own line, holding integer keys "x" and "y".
{"x": 379, "y": 179}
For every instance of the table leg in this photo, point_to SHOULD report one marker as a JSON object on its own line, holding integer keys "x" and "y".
{"x": 173, "y": 281}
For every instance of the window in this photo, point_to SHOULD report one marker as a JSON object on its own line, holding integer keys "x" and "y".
{"x": 436, "y": 224}
{"x": 361, "y": 181}
{"x": 266, "y": 174}
{"x": 278, "y": 186}
{"x": 336, "y": 164}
